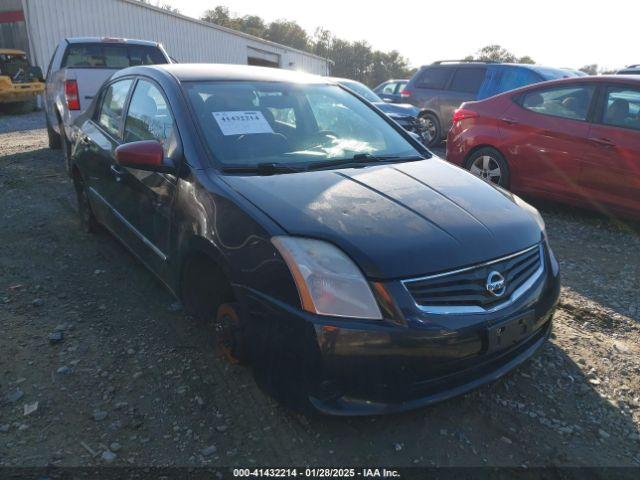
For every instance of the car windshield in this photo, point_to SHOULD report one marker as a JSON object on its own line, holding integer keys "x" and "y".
{"x": 362, "y": 90}
{"x": 14, "y": 65}
{"x": 294, "y": 124}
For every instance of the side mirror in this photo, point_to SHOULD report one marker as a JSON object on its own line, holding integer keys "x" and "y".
{"x": 144, "y": 155}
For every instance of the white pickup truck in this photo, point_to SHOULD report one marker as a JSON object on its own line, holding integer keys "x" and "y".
{"x": 77, "y": 70}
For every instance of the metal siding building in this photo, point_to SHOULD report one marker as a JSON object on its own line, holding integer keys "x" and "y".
{"x": 186, "y": 39}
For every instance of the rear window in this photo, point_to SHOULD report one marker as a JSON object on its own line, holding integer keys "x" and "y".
{"x": 436, "y": 78}
{"x": 468, "y": 80}
{"x": 100, "y": 55}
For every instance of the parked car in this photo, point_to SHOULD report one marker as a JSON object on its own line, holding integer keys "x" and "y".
{"x": 404, "y": 114}
{"x": 438, "y": 89}
{"x": 20, "y": 83}
{"x": 389, "y": 91}
{"x": 575, "y": 141}
{"x": 630, "y": 70}
{"x": 78, "y": 67}
{"x": 355, "y": 271}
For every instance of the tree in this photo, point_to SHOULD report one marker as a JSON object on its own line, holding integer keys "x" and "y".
{"x": 496, "y": 53}
{"x": 220, "y": 16}
{"x": 356, "y": 60}
{"x": 288, "y": 33}
{"x": 526, "y": 59}
{"x": 590, "y": 69}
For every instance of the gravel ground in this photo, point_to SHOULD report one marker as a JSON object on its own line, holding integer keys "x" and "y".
{"x": 98, "y": 365}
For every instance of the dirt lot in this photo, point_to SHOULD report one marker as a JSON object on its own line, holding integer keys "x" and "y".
{"x": 135, "y": 382}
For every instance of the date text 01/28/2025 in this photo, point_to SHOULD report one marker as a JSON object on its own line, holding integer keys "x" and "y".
{"x": 316, "y": 472}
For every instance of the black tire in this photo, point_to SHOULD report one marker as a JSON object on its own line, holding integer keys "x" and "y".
{"x": 285, "y": 362}
{"x": 484, "y": 161}
{"x": 430, "y": 129}
{"x": 66, "y": 149}
{"x": 54, "y": 138}
{"x": 88, "y": 221}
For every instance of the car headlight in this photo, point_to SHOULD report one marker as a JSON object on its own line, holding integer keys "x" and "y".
{"x": 328, "y": 281}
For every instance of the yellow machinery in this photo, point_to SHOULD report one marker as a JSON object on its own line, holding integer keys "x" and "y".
{"x": 19, "y": 81}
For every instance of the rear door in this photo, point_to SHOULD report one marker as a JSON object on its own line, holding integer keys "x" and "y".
{"x": 429, "y": 89}
{"x": 611, "y": 174}
{"x": 545, "y": 138}
{"x": 464, "y": 87}
{"x": 101, "y": 137}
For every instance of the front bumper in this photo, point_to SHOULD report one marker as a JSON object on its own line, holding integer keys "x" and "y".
{"x": 365, "y": 367}
{"x": 19, "y": 92}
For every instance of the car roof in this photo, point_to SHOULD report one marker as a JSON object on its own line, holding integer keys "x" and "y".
{"x": 186, "y": 72}
{"x": 545, "y": 72}
{"x": 624, "y": 79}
{"x": 111, "y": 40}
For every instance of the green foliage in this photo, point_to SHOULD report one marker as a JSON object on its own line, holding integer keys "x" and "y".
{"x": 496, "y": 53}
{"x": 356, "y": 60}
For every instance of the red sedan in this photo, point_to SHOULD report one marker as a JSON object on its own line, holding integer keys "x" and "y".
{"x": 575, "y": 140}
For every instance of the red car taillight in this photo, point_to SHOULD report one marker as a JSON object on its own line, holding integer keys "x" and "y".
{"x": 71, "y": 94}
{"x": 405, "y": 93}
{"x": 463, "y": 114}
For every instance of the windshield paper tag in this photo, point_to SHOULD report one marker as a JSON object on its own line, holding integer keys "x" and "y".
{"x": 242, "y": 122}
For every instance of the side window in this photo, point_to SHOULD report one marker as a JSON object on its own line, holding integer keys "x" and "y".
{"x": 434, "y": 77}
{"x": 389, "y": 88}
{"x": 401, "y": 86}
{"x": 512, "y": 78}
{"x": 112, "y": 107}
{"x": 622, "y": 107}
{"x": 567, "y": 102}
{"x": 468, "y": 80}
{"x": 149, "y": 117}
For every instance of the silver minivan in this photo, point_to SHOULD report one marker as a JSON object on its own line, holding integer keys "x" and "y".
{"x": 78, "y": 68}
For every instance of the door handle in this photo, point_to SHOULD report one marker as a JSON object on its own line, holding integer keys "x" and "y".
{"x": 117, "y": 171}
{"x": 509, "y": 121}
{"x": 605, "y": 142}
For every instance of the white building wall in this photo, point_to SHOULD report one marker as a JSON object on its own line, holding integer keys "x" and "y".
{"x": 185, "y": 39}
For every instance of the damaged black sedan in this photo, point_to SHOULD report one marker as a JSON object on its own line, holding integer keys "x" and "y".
{"x": 355, "y": 272}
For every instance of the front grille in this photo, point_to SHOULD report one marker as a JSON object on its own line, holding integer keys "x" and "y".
{"x": 465, "y": 290}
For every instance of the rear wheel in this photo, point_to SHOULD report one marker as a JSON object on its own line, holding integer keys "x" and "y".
{"x": 66, "y": 149}
{"x": 489, "y": 164}
{"x": 54, "y": 138}
{"x": 429, "y": 127}
{"x": 88, "y": 221}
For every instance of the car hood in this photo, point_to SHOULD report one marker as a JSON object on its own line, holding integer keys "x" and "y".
{"x": 398, "y": 109}
{"x": 397, "y": 220}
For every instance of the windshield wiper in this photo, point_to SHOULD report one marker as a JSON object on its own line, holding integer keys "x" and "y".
{"x": 261, "y": 168}
{"x": 360, "y": 159}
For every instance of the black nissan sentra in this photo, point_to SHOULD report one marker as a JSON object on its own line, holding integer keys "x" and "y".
{"x": 355, "y": 272}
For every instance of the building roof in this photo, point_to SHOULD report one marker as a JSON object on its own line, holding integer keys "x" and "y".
{"x": 224, "y": 29}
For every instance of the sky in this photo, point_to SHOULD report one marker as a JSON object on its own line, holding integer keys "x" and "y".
{"x": 556, "y": 33}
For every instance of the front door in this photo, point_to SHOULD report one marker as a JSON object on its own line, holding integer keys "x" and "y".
{"x": 545, "y": 139}
{"x": 145, "y": 198}
{"x": 611, "y": 175}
